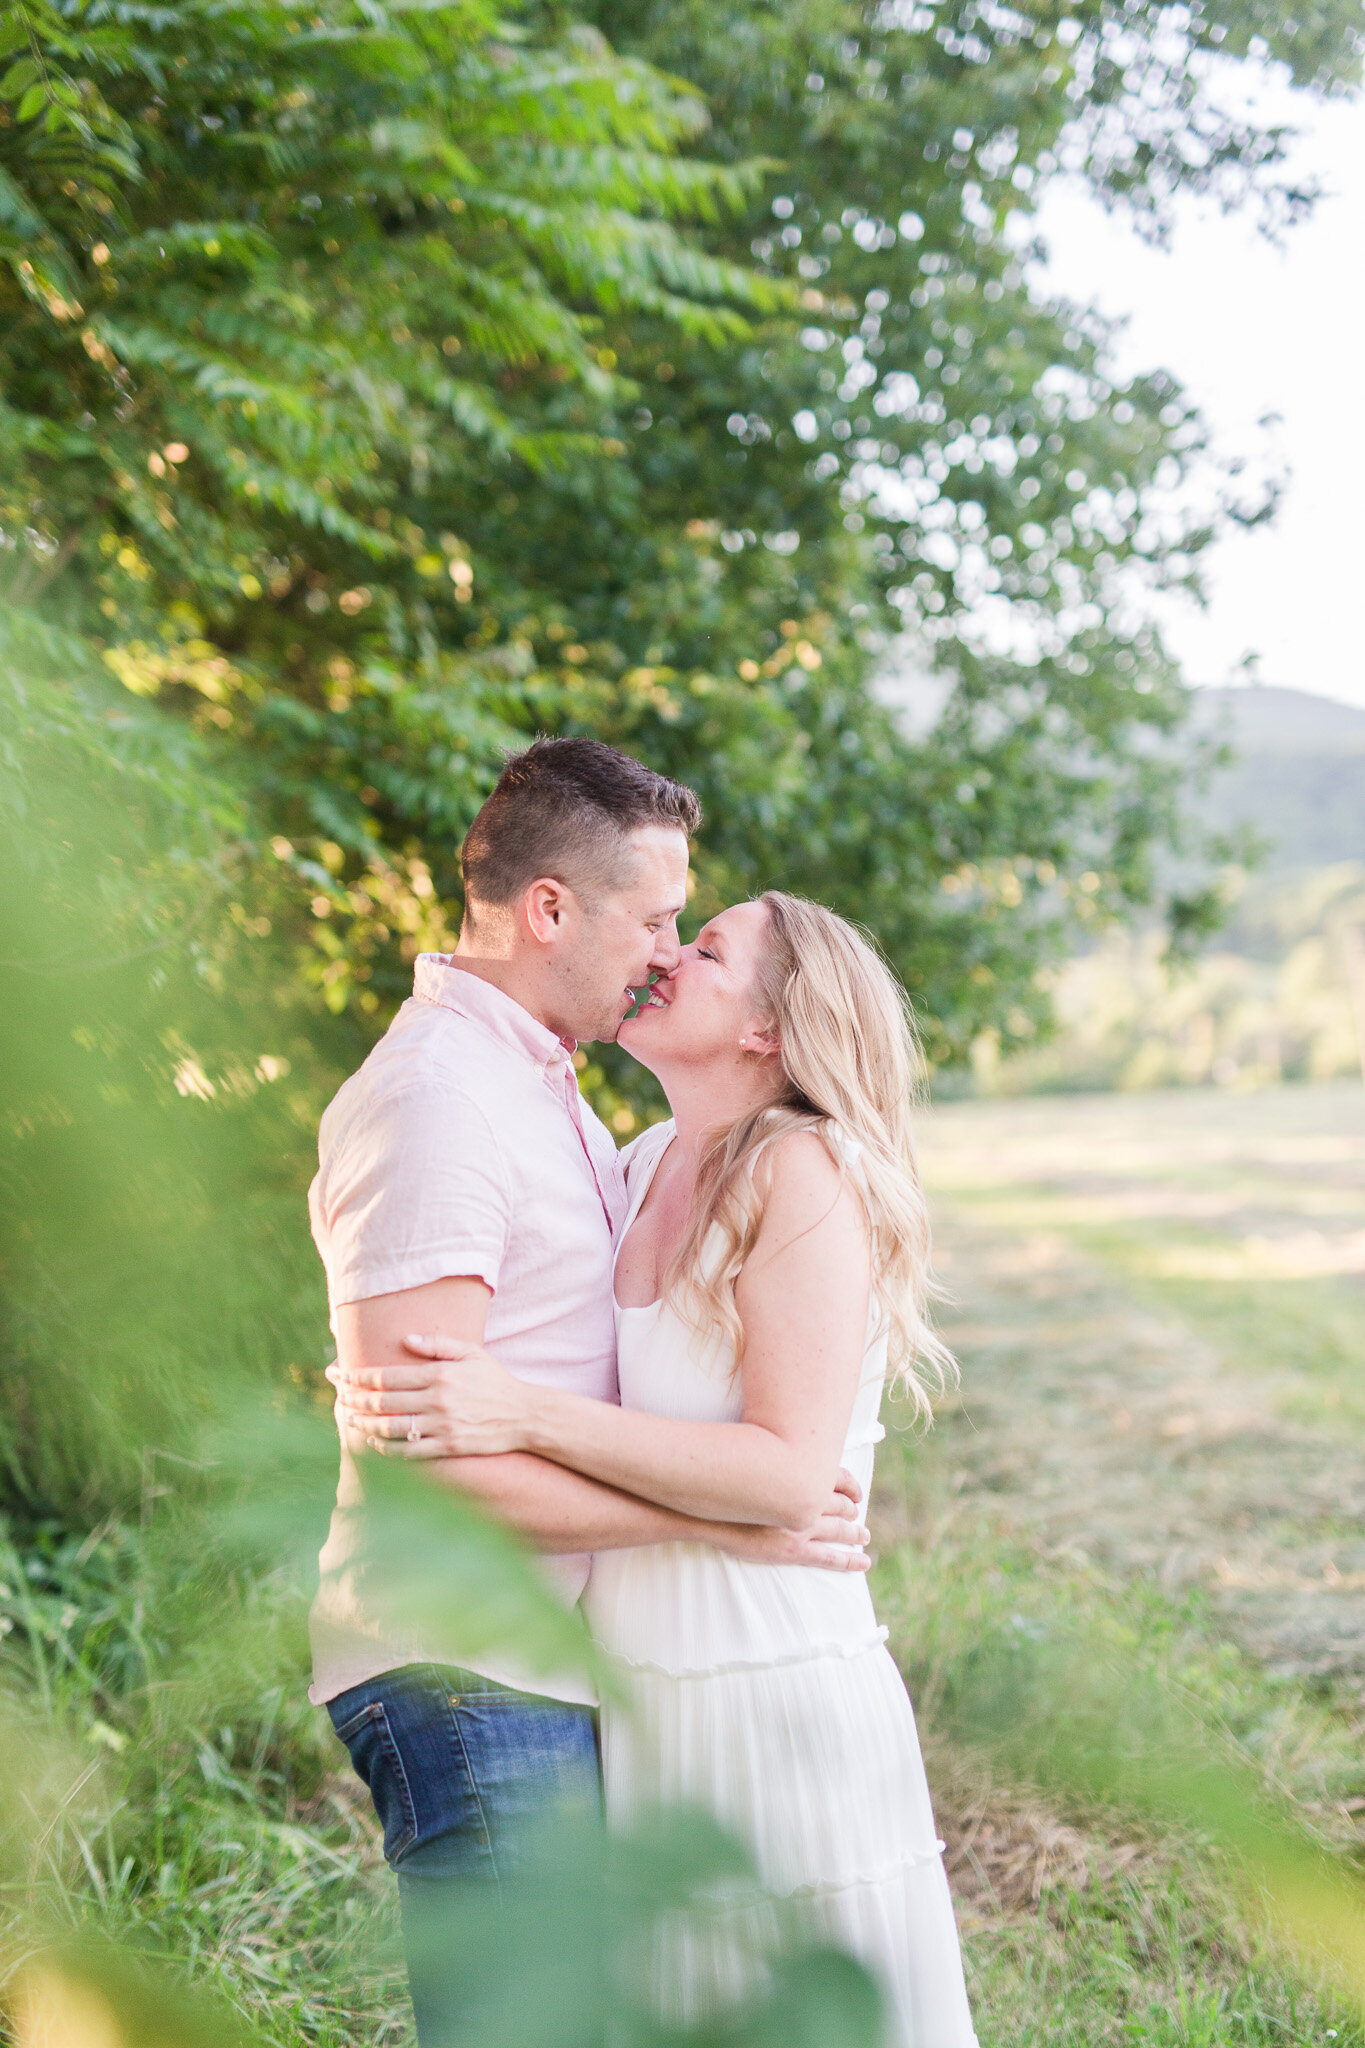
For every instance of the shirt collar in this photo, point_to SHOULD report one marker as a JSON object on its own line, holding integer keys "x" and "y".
{"x": 439, "y": 978}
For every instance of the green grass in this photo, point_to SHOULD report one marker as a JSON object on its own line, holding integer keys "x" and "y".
{"x": 1109, "y": 1255}
{"x": 1153, "y": 1941}
{"x": 218, "y": 1823}
{"x": 1308, "y": 1332}
{"x": 1137, "y": 1963}
{"x": 228, "y": 1841}
{"x": 240, "y": 1848}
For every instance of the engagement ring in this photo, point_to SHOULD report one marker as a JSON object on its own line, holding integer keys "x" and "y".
{"x": 414, "y": 1433}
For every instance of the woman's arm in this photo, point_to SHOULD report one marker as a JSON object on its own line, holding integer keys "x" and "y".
{"x": 556, "y": 1508}
{"x": 802, "y": 1298}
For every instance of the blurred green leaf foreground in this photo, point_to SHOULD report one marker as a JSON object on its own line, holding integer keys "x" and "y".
{"x": 382, "y": 383}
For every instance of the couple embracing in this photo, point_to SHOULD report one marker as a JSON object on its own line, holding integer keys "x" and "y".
{"x": 663, "y": 1367}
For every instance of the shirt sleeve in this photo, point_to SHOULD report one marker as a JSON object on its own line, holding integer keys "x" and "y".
{"x": 414, "y": 1189}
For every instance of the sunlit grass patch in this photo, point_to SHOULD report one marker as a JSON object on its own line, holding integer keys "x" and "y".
{"x": 1141, "y": 1506}
{"x": 1090, "y": 1912}
{"x": 1138, "y": 1964}
{"x": 1291, "y": 1306}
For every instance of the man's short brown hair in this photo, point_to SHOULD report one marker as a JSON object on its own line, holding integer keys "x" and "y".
{"x": 565, "y": 808}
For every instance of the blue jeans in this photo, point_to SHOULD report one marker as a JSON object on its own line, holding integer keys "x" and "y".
{"x": 460, "y": 1771}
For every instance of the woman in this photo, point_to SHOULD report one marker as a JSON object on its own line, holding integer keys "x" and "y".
{"x": 772, "y": 1264}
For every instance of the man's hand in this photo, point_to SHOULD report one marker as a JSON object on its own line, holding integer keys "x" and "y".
{"x": 837, "y": 1542}
{"x": 847, "y": 1486}
{"x": 452, "y": 1399}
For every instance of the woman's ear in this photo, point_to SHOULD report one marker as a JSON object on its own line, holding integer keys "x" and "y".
{"x": 759, "y": 1038}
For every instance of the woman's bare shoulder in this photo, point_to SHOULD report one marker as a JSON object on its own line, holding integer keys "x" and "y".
{"x": 806, "y": 1187}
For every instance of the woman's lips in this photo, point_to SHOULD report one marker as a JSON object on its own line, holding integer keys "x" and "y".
{"x": 647, "y": 999}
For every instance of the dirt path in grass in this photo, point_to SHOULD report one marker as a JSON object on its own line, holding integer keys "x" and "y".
{"x": 1159, "y": 1307}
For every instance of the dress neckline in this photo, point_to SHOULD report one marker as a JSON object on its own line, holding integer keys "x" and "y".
{"x": 632, "y": 1211}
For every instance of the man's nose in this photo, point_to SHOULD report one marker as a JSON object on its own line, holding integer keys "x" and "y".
{"x": 667, "y": 950}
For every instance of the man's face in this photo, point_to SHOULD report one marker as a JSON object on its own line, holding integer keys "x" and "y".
{"x": 629, "y": 935}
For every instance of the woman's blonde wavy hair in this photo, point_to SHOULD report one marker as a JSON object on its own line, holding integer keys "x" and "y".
{"x": 850, "y": 1065}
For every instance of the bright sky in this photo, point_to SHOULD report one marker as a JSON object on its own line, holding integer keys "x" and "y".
{"x": 1252, "y": 329}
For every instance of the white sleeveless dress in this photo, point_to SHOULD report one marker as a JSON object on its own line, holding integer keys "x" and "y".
{"x": 765, "y": 1694}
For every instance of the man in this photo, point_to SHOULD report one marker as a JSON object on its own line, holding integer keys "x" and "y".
{"x": 466, "y": 1189}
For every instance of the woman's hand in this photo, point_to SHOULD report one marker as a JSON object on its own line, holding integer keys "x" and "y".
{"x": 457, "y": 1402}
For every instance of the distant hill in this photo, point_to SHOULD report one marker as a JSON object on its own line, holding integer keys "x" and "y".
{"x": 1273, "y": 995}
{"x": 1299, "y": 776}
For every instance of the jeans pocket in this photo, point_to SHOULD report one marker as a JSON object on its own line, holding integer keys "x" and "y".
{"x": 378, "y": 1764}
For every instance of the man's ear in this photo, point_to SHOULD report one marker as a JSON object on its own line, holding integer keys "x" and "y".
{"x": 544, "y": 906}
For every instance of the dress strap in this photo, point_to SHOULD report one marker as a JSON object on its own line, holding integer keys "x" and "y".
{"x": 642, "y": 1163}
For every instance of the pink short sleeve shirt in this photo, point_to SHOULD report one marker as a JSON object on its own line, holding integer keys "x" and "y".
{"x": 463, "y": 1147}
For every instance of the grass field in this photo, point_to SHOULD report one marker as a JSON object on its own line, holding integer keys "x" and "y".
{"x": 1158, "y": 1302}
{"x": 1159, "y": 1306}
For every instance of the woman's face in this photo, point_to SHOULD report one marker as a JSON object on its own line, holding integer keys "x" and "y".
{"x": 699, "y": 1012}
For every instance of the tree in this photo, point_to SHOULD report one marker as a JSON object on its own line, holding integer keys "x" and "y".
{"x": 288, "y": 297}
{"x": 942, "y": 459}
{"x": 384, "y": 384}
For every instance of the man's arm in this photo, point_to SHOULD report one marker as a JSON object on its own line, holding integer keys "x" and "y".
{"x": 557, "y": 1509}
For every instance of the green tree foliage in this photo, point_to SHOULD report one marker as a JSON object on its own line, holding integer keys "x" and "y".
{"x": 151, "y": 1165}
{"x": 290, "y": 297}
{"x": 942, "y": 457}
{"x": 383, "y": 383}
